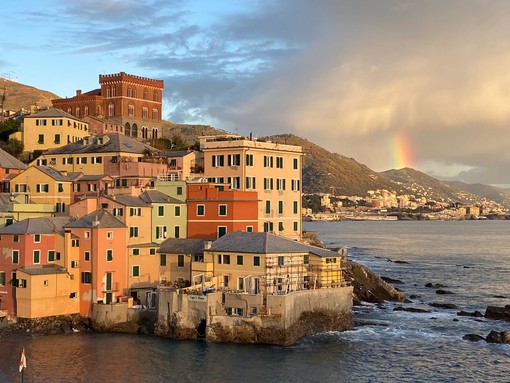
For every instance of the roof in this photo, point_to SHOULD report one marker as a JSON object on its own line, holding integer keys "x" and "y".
{"x": 43, "y": 225}
{"x": 128, "y": 200}
{"x": 94, "y": 177}
{"x": 43, "y": 270}
{"x": 58, "y": 176}
{"x": 98, "y": 218}
{"x": 52, "y": 112}
{"x": 155, "y": 196}
{"x": 178, "y": 153}
{"x": 182, "y": 246}
{"x": 265, "y": 243}
{"x": 9, "y": 162}
{"x": 106, "y": 143}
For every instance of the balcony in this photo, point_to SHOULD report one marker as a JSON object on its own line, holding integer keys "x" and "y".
{"x": 113, "y": 288}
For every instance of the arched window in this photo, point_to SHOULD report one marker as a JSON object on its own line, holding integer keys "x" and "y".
{"x": 108, "y": 92}
{"x": 127, "y": 129}
{"x": 154, "y": 133}
{"x": 86, "y": 111}
{"x": 69, "y": 110}
{"x": 111, "y": 110}
{"x": 155, "y": 97}
{"x": 145, "y": 94}
{"x": 99, "y": 110}
{"x": 131, "y": 110}
{"x": 154, "y": 114}
{"x": 134, "y": 130}
{"x": 78, "y": 112}
{"x": 145, "y": 112}
{"x": 144, "y": 132}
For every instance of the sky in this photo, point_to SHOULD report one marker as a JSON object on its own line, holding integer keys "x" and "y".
{"x": 390, "y": 83}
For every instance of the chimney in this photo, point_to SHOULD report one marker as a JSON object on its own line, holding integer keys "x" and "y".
{"x": 63, "y": 172}
{"x": 78, "y": 92}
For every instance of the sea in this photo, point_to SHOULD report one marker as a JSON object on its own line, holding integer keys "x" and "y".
{"x": 470, "y": 258}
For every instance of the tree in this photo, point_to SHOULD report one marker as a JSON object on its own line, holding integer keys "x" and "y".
{"x": 13, "y": 147}
{"x": 8, "y": 127}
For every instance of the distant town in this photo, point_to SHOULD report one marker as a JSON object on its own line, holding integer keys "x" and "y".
{"x": 386, "y": 205}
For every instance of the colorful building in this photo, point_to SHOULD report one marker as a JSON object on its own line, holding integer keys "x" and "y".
{"x": 130, "y": 101}
{"x": 214, "y": 210}
{"x": 273, "y": 170}
{"x": 9, "y": 167}
{"x": 49, "y": 129}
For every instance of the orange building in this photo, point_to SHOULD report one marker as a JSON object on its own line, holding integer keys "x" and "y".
{"x": 9, "y": 166}
{"x": 102, "y": 259}
{"x": 214, "y": 210}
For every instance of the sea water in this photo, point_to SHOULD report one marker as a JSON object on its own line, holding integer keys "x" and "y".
{"x": 471, "y": 258}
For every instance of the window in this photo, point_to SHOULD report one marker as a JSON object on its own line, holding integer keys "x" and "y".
{"x": 160, "y": 232}
{"x": 2, "y": 278}
{"x": 177, "y": 231}
{"x": 118, "y": 211}
{"x": 235, "y": 182}
{"x": 152, "y": 251}
{"x": 155, "y": 114}
{"x": 295, "y": 163}
{"x": 145, "y": 112}
{"x": 37, "y": 256}
{"x": 60, "y": 207}
{"x": 161, "y": 211}
{"x": 162, "y": 260}
{"x": 295, "y": 185}
{"x": 280, "y": 226}
{"x": 222, "y": 230}
{"x": 86, "y": 277}
{"x": 268, "y": 227}
{"x": 86, "y": 256}
{"x": 87, "y": 234}
{"x": 280, "y": 184}
{"x": 60, "y": 187}
{"x": 234, "y": 159}
{"x": 135, "y": 211}
{"x": 295, "y": 207}
{"x": 268, "y": 184}
{"x": 136, "y": 252}
{"x": 22, "y": 283}
{"x": 226, "y": 259}
{"x": 281, "y": 260}
{"x": 41, "y": 139}
{"x": 240, "y": 283}
{"x": 51, "y": 255}
{"x": 131, "y": 110}
{"x": 37, "y": 238}
{"x": 14, "y": 280}
{"x": 42, "y": 188}
{"x": 15, "y": 256}
{"x": 111, "y": 110}
{"x": 109, "y": 235}
{"x": 57, "y": 138}
{"x": 57, "y": 256}
{"x": 135, "y": 271}
{"x": 295, "y": 225}
{"x": 280, "y": 207}
{"x": 177, "y": 211}
{"x": 92, "y": 187}
{"x": 249, "y": 160}
{"x": 222, "y": 210}
{"x": 268, "y": 161}
{"x": 256, "y": 260}
{"x": 180, "y": 260}
{"x": 133, "y": 232}
{"x": 218, "y": 161}
{"x": 179, "y": 190}
{"x": 15, "y": 238}
{"x": 201, "y": 210}
{"x": 249, "y": 229}
{"x": 240, "y": 259}
{"x": 279, "y": 162}
{"x": 250, "y": 183}
{"x": 109, "y": 255}
{"x": 75, "y": 243}
{"x": 268, "y": 207}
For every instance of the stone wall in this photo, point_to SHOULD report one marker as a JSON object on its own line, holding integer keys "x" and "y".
{"x": 120, "y": 318}
{"x": 282, "y": 321}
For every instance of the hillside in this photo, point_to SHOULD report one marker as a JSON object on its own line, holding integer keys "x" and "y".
{"x": 499, "y": 195}
{"x": 18, "y": 96}
{"x": 326, "y": 172}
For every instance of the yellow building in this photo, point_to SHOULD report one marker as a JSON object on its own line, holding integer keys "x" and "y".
{"x": 45, "y": 290}
{"x": 49, "y": 129}
{"x": 45, "y": 185}
{"x": 271, "y": 169}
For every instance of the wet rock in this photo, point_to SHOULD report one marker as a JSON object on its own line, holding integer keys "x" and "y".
{"x": 402, "y": 262}
{"x": 498, "y": 337}
{"x": 499, "y": 296}
{"x": 443, "y": 292}
{"x": 449, "y": 306}
{"x": 368, "y": 286}
{"x": 392, "y": 281}
{"x": 435, "y": 285}
{"x": 475, "y": 314}
{"x": 414, "y": 296}
{"x": 473, "y": 337}
{"x": 411, "y": 309}
{"x": 501, "y": 313}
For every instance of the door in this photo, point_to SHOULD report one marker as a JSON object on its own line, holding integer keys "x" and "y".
{"x": 256, "y": 287}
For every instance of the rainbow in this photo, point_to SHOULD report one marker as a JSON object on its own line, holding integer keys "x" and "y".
{"x": 401, "y": 149}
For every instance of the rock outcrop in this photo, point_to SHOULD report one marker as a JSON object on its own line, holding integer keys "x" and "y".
{"x": 498, "y": 337}
{"x": 501, "y": 313}
{"x": 368, "y": 286}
